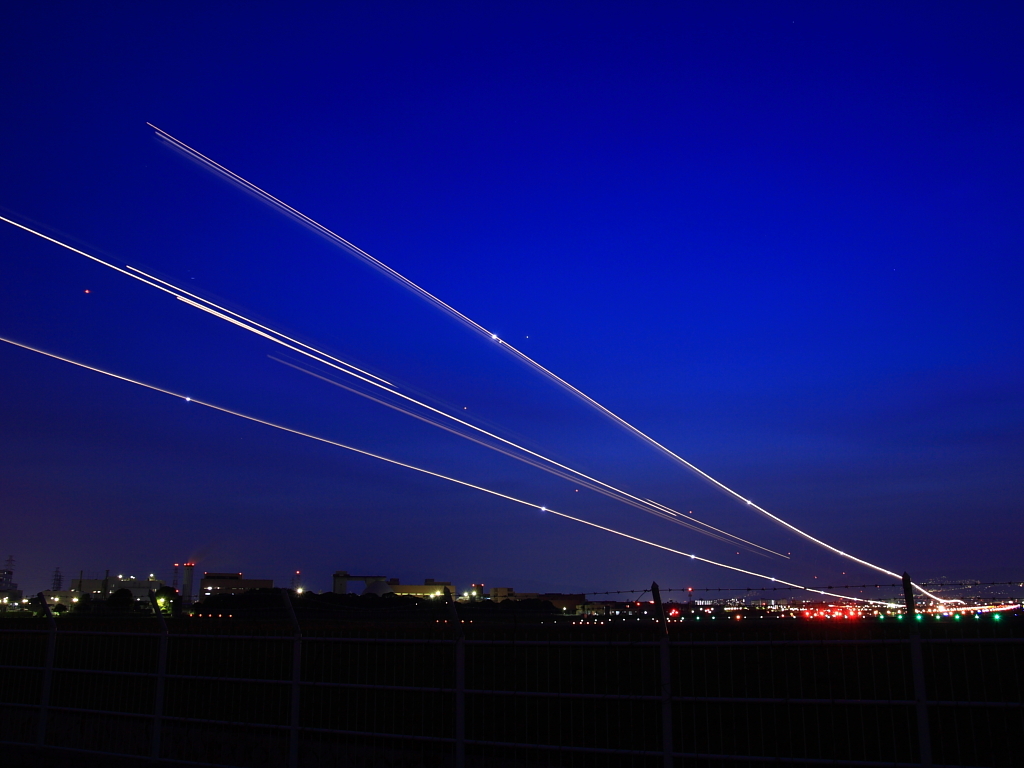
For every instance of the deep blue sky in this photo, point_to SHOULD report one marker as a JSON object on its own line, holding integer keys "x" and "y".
{"x": 783, "y": 239}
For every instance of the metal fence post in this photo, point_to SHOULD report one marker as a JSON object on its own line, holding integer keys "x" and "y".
{"x": 924, "y": 738}
{"x": 293, "y": 743}
{"x": 161, "y": 675}
{"x": 665, "y": 683}
{"x": 44, "y": 695}
{"x": 460, "y": 682}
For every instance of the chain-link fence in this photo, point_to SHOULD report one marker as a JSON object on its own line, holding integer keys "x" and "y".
{"x": 280, "y": 694}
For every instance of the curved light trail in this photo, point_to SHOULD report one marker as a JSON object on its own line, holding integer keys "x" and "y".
{"x": 437, "y": 475}
{"x": 519, "y": 355}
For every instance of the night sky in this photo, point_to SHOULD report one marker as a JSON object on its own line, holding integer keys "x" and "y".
{"x": 784, "y": 240}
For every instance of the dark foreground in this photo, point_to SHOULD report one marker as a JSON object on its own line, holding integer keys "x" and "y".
{"x": 266, "y": 693}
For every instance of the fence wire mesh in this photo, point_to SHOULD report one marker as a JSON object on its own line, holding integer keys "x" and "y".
{"x": 269, "y": 694}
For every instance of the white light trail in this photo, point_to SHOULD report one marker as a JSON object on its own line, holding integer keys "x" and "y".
{"x": 429, "y": 472}
{"x": 719, "y": 565}
{"x": 662, "y": 506}
{"x": 548, "y": 465}
{"x": 220, "y": 312}
{"x": 521, "y": 356}
{"x": 313, "y": 353}
{"x": 176, "y": 289}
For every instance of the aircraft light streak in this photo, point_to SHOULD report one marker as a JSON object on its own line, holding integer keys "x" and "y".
{"x": 519, "y": 355}
{"x": 315, "y": 354}
{"x": 662, "y": 506}
{"x": 198, "y": 302}
{"x": 320, "y": 352}
{"x": 429, "y": 472}
{"x": 551, "y": 467}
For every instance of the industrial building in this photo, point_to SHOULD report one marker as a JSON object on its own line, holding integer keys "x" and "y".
{"x": 230, "y": 584}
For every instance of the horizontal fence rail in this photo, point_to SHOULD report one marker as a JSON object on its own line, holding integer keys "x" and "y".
{"x": 226, "y": 693}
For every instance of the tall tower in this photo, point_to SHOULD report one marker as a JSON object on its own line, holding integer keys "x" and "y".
{"x": 7, "y": 575}
{"x": 186, "y": 585}
{"x": 58, "y": 580}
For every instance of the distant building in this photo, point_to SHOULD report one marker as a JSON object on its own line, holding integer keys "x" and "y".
{"x": 64, "y": 597}
{"x": 230, "y": 584}
{"x": 10, "y": 595}
{"x": 9, "y": 598}
{"x": 187, "y": 592}
{"x": 101, "y": 589}
{"x": 568, "y": 604}
{"x": 342, "y": 578}
{"x": 472, "y": 594}
{"x": 97, "y": 589}
{"x": 602, "y": 608}
{"x": 429, "y": 588}
{"x": 140, "y": 588}
{"x": 381, "y": 585}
